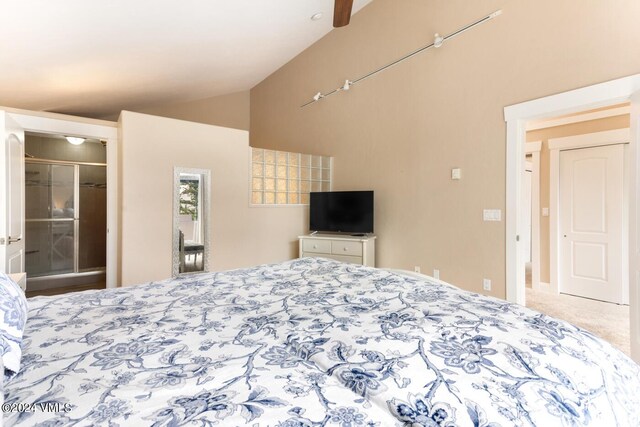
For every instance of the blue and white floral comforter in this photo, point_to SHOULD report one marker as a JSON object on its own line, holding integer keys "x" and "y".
{"x": 313, "y": 342}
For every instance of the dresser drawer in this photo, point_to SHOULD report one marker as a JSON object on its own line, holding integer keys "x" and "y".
{"x": 318, "y": 246}
{"x": 343, "y": 247}
{"x": 356, "y": 250}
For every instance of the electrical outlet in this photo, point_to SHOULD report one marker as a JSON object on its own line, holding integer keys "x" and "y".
{"x": 436, "y": 273}
{"x": 416, "y": 269}
{"x": 486, "y": 284}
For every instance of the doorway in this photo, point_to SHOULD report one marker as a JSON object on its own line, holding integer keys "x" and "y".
{"x": 527, "y": 196}
{"x": 584, "y": 221}
{"x": 13, "y": 125}
{"x": 592, "y": 97}
{"x": 65, "y": 213}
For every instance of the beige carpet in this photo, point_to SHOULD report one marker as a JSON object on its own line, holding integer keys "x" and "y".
{"x": 606, "y": 320}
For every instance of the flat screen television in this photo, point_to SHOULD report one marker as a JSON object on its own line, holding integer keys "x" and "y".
{"x": 341, "y": 211}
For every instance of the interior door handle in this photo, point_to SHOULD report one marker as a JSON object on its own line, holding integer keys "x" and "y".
{"x": 11, "y": 240}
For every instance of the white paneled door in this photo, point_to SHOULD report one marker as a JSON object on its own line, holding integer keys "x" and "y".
{"x": 591, "y": 222}
{"x": 11, "y": 196}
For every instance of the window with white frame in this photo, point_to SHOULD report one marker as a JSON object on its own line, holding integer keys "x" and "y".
{"x": 280, "y": 178}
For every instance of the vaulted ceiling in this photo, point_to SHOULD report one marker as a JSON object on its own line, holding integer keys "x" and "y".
{"x": 95, "y": 58}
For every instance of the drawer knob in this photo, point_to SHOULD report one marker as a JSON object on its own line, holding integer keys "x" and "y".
{"x": 344, "y": 249}
{"x": 315, "y": 246}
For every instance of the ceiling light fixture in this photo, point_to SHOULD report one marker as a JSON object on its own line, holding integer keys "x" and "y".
{"x": 75, "y": 140}
{"x": 316, "y": 16}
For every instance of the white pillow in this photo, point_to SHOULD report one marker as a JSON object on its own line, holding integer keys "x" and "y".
{"x": 13, "y": 318}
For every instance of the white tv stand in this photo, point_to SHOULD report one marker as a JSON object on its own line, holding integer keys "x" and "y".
{"x": 341, "y": 247}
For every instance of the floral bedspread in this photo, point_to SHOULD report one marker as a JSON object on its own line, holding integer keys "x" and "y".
{"x": 312, "y": 342}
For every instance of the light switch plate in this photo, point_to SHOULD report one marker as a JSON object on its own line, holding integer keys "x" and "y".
{"x": 492, "y": 215}
{"x": 486, "y": 284}
{"x": 456, "y": 173}
{"x": 545, "y": 211}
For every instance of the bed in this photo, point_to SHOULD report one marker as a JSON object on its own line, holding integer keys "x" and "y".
{"x": 310, "y": 342}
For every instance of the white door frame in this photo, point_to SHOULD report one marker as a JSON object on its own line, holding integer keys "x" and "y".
{"x": 556, "y": 145}
{"x": 516, "y": 116}
{"x": 534, "y": 148}
{"x": 42, "y": 122}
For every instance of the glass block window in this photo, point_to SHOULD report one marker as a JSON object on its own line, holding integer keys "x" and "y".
{"x": 282, "y": 178}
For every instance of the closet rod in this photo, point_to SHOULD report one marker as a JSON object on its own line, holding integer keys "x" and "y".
{"x": 436, "y": 43}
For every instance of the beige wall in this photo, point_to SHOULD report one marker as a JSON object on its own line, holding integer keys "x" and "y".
{"x": 402, "y": 131}
{"x": 240, "y": 235}
{"x": 544, "y": 135}
{"x": 231, "y": 111}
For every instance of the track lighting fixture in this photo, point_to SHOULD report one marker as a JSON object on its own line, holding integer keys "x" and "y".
{"x": 438, "y": 41}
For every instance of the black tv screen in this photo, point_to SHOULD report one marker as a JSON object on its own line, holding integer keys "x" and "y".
{"x": 341, "y": 211}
